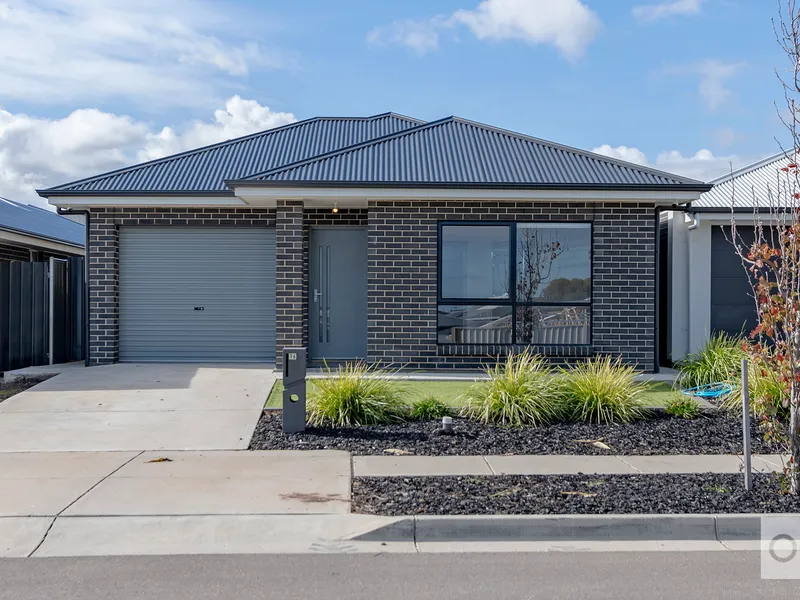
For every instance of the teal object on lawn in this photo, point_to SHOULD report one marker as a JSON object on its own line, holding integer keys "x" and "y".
{"x": 711, "y": 390}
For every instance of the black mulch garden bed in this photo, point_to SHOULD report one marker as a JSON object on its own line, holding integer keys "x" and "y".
{"x": 8, "y": 389}
{"x": 713, "y": 433}
{"x": 569, "y": 494}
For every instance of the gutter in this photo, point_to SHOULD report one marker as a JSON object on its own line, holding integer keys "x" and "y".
{"x": 87, "y": 216}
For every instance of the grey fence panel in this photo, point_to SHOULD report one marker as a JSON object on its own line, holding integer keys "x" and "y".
{"x": 60, "y": 311}
{"x": 5, "y": 312}
{"x": 39, "y": 325}
{"x": 75, "y": 288}
{"x": 23, "y": 315}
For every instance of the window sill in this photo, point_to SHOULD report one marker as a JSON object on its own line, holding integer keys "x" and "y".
{"x": 490, "y": 350}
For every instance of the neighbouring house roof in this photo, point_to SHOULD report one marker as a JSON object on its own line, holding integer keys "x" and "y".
{"x": 205, "y": 170}
{"x": 33, "y": 221}
{"x": 455, "y": 152}
{"x": 749, "y": 186}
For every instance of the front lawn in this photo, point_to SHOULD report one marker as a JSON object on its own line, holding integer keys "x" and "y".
{"x": 658, "y": 393}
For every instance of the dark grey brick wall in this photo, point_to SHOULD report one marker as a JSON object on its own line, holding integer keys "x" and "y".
{"x": 104, "y": 259}
{"x": 9, "y": 252}
{"x": 402, "y": 273}
{"x": 403, "y": 277}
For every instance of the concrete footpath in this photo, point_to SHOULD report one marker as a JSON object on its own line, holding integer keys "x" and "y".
{"x": 241, "y": 502}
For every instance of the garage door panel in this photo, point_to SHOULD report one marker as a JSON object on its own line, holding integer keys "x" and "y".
{"x": 732, "y": 305}
{"x": 197, "y": 294}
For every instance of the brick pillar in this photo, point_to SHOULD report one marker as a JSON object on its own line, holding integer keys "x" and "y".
{"x": 623, "y": 275}
{"x": 103, "y": 257}
{"x": 289, "y": 292}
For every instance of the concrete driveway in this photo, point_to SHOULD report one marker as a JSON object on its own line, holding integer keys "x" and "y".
{"x": 135, "y": 407}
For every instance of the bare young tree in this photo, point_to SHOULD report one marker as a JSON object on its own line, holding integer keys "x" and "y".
{"x": 772, "y": 263}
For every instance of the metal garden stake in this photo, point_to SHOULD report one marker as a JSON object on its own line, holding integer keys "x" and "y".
{"x": 748, "y": 474}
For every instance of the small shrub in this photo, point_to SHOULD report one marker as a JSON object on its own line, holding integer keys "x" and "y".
{"x": 683, "y": 407}
{"x": 429, "y": 408}
{"x": 719, "y": 360}
{"x": 520, "y": 391}
{"x": 356, "y": 394}
{"x": 766, "y": 393}
{"x": 602, "y": 391}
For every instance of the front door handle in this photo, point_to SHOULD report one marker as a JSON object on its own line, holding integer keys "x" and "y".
{"x": 317, "y": 295}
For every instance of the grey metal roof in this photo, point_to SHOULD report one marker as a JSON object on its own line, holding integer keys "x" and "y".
{"x": 749, "y": 186}
{"x": 456, "y": 152}
{"x": 204, "y": 170}
{"x": 38, "y": 222}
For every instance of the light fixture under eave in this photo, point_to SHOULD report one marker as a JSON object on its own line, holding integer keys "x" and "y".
{"x": 335, "y": 207}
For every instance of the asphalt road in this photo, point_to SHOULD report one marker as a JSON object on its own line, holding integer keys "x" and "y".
{"x": 651, "y": 575}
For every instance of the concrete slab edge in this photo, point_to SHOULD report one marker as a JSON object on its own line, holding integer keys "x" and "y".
{"x": 534, "y": 528}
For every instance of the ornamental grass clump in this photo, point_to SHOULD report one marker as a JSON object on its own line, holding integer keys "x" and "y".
{"x": 603, "y": 390}
{"x": 681, "y": 406}
{"x": 718, "y": 361}
{"x": 356, "y": 394}
{"x": 429, "y": 408}
{"x": 520, "y": 391}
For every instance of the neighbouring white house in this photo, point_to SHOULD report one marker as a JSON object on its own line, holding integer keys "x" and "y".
{"x": 703, "y": 281}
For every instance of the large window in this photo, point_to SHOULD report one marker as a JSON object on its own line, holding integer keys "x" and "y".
{"x": 515, "y": 283}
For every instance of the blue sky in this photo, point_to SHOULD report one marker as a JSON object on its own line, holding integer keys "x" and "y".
{"x": 89, "y": 85}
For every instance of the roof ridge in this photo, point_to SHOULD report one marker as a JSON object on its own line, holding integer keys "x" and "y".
{"x": 582, "y": 152}
{"x": 345, "y": 150}
{"x": 749, "y": 168}
{"x": 396, "y": 116}
{"x": 207, "y": 147}
{"x": 484, "y": 126}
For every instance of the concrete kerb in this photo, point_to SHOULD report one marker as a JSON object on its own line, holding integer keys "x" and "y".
{"x": 583, "y": 528}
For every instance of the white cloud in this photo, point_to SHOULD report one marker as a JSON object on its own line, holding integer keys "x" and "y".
{"x": 632, "y": 155}
{"x": 421, "y": 36}
{"x": 654, "y": 12}
{"x": 36, "y": 153}
{"x": 569, "y": 25}
{"x": 156, "y": 52}
{"x": 703, "y": 165}
{"x": 239, "y": 117}
{"x": 713, "y": 77}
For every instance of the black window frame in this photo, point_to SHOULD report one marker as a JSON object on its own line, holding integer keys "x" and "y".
{"x": 512, "y": 300}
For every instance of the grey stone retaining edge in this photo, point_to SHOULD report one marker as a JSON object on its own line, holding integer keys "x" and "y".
{"x": 532, "y": 528}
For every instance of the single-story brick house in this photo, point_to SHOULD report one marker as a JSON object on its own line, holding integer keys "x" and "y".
{"x": 421, "y": 245}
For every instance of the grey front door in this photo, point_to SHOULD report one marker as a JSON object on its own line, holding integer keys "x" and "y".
{"x": 337, "y": 293}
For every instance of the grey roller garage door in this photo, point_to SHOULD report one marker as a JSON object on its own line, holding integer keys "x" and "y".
{"x": 197, "y": 294}
{"x": 732, "y": 305}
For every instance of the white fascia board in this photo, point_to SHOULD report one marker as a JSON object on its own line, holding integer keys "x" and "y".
{"x": 268, "y": 195}
{"x": 145, "y": 201}
{"x": 38, "y": 243}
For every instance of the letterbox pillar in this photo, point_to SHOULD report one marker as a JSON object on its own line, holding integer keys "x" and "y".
{"x": 294, "y": 390}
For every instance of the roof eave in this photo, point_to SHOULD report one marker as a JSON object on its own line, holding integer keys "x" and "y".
{"x": 38, "y": 236}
